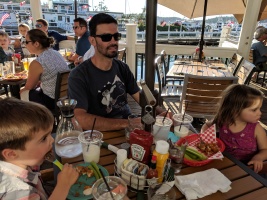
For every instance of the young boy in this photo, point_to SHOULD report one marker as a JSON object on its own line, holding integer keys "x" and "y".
{"x": 19, "y": 44}
{"x": 4, "y": 43}
{"x": 25, "y": 139}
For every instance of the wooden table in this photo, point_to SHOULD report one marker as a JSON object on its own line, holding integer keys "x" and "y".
{"x": 246, "y": 184}
{"x": 14, "y": 86}
{"x": 179, "y": 69}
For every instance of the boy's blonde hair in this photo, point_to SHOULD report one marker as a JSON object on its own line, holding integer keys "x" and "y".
{"x": 4, "y": 34}
{"x": 25, "y": 26}
{"x": 19, "y": 121}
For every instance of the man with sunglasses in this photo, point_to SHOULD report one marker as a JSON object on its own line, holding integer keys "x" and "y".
{"x": 80, "y": 29}
{"x": 101, "y": 83}
{"x": 42, "y": 24}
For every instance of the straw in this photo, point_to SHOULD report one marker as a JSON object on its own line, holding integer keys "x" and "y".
{"x": 165, "y": 116}
{"x": 91, "y": 133}
{"x": 106, "y": 183}
{"x": 183, "y": 115}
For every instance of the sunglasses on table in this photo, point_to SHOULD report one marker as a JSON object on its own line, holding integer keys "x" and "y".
{"x": 108, "y": 37}
{"x": 38, "y": 25}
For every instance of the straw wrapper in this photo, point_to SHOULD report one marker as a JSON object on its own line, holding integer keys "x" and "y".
{"x": 209, "y": 136}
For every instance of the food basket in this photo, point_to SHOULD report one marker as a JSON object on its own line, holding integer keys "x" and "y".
{"x": 194, "y": 139}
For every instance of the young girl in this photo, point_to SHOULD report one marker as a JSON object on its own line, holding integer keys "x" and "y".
{"x": 237, "y": 119}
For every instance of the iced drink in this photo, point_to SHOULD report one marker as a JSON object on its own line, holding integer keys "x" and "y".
{"x": 161, "y": 128}
{"x": 91, "y": 145}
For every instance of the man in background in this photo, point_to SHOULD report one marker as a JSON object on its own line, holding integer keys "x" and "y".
{"x": 80, "y": 29}
{"x": 42, "y": 24}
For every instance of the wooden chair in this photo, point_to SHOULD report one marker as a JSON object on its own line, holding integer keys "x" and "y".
{"x": 201, "y": 94}
{"x": 61, "y": 92}
{"x": 235, "y": 63}
{"x": 245, "y": 72}
{"x": 166, "y": 69}
{"x": 258, "y": 69}
{"x": 167, "y": 92}
{"x": 122, "y": 54}
{"x": 3, "y": 89}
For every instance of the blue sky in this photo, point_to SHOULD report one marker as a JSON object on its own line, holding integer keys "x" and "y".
{"x": 132, "y": 6}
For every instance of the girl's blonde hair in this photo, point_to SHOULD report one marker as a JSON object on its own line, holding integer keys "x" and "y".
{"x": 235, "y": 98}
{"x": 20, "y": 121}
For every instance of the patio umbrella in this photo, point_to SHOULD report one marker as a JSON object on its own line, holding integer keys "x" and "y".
{"x": 262, "y": 13}
{"x": 203, "y": 8}
{"x": 194, "y": 8}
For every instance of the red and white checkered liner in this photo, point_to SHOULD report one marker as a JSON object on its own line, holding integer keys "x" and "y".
{"x": 208, "y": 136}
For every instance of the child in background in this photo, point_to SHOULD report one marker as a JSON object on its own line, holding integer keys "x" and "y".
{"x": 238, "y": 122}
{"x": 4, "y": 43}
{"x": 19, "y": 44}
{"x": 25, "y": 139}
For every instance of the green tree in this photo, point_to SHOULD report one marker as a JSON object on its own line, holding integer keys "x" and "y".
{"x": 101, "y": 6}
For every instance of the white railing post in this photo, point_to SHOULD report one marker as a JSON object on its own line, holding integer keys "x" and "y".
{"x": 36, "y": 9}
{"x": 224, "y": 34}
{"x": 248, "y": 27}
{"x": 130, "y": 43}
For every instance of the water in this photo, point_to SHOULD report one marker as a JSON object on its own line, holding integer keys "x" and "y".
{"x": 67, "y": 144}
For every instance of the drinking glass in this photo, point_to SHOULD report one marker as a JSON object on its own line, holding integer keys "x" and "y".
{"x": 91, "y": 144}
{"x": 177, "y": 156}
{"x": 116, "y": 184}
{"x": 133, "y": 124}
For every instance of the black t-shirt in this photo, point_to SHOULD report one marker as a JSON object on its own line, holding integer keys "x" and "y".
{"x": 102, "y": 93}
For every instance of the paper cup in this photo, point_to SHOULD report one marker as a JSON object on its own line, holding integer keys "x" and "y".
{"x": 161, "y": 129}
{"x": 91, "y": 146}
{"x": 178, "y": 119}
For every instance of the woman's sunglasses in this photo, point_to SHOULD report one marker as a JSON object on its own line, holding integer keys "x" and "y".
{"x": 108, "y": 37}
{"x": 26, "y": 42}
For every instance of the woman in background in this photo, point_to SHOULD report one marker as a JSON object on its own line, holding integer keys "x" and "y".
{"x": 43, "y": 71}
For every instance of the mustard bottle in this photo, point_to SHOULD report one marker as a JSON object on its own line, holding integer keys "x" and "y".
{"x": 162, "y": 153}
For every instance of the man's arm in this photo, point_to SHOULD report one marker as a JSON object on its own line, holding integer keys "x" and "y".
{"x": 73, "y": 57}
{"x": 70, "y": 37}
{"x": 102, "y": 124}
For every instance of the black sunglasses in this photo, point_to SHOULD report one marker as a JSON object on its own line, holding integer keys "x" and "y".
{"x": 75, "y": 27}
{"x": 38, "y": 25}
{"x": 108, "y": 37}
{"x": 26, "y": 42}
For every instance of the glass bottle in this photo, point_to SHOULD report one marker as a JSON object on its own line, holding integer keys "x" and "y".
{"x": 66, "y": 143}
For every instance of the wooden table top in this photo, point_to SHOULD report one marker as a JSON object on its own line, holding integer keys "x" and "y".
{"x": 245, "y": 185}
{"x": 179, "y": 69}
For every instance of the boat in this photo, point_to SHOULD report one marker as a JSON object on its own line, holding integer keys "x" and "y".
{"x": 59, "y": 14}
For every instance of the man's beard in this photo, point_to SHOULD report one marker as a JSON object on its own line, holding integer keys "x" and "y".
{"x": 106, "y": 53}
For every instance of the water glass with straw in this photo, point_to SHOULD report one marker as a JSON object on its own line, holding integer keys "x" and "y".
{"x": 91, "y": 143}
{"x": 161, "y": 128}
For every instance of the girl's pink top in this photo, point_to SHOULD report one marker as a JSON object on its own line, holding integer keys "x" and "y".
{"x": 242, "y": 145}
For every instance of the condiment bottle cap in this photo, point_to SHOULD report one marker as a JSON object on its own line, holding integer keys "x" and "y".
{"x": 154, "y": 158}
{"x": 162, "y": 147}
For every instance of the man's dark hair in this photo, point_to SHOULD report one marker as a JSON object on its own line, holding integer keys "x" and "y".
{"x": 43, "y": 21}
{"x": 101, "y": 18}
{"x": 81, "y": 21}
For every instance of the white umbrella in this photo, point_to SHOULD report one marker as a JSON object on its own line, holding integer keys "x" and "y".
{"x": 194, "y": 8}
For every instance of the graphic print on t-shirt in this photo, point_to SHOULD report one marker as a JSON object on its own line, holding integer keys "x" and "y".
{"x": 110, "y": 93}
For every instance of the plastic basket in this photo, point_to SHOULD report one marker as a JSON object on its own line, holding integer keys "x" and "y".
{"x": 196, "y": 163}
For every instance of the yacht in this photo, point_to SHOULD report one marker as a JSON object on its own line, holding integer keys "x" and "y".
{"x": 59, "y": 14}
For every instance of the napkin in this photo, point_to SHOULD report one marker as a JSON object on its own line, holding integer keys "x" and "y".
{"x": 200, "y": 184}
{"x": 209, "y": 136}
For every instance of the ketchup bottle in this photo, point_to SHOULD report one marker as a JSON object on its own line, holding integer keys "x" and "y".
{"x": 152, "y": 172}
